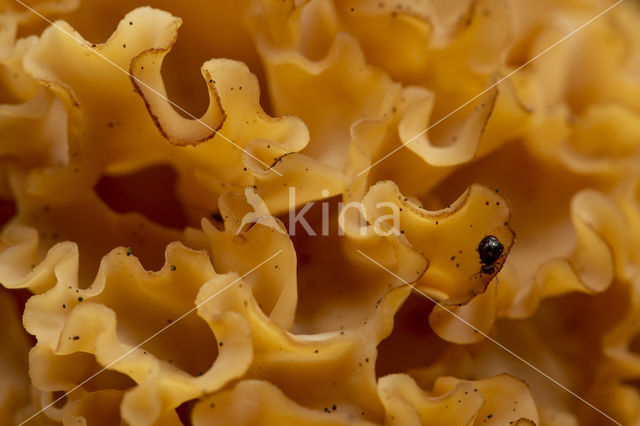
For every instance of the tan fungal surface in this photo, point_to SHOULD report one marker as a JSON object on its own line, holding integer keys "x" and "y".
{"x": 156, "y": 160}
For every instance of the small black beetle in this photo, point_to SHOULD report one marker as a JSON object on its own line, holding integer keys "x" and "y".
{"x": 490, "y": 249}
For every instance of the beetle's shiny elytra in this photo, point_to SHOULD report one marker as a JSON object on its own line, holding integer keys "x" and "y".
{"x": 490, "y": 249}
